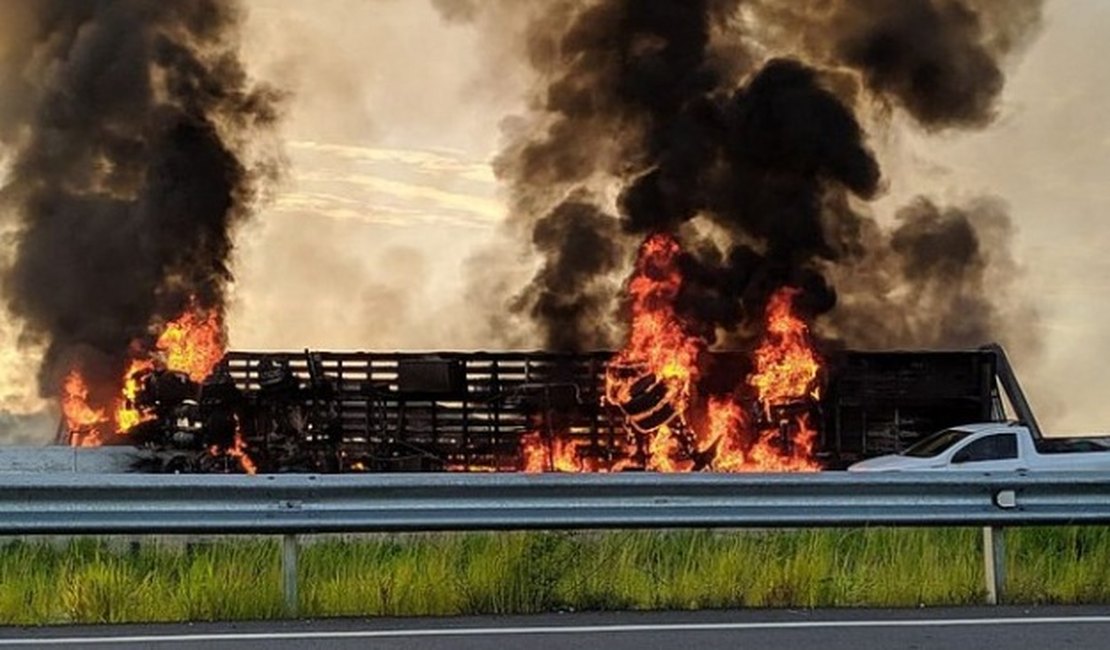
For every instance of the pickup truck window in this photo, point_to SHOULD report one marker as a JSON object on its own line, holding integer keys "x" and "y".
{"x": 936, "y": 443}
{"x": 1002, "y": 446}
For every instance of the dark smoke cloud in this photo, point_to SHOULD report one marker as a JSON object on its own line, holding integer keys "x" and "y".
{"x": 734, "y": 123}
{"x": 929, "y": 56}
{"x": 780, "y": 148}
{"x": 127, "y": 173}
{"x": 579, "y": 246}
{"x": 940, "y": 60}
{"x": 615, "y": 104}
{"x": 927, "y": 281}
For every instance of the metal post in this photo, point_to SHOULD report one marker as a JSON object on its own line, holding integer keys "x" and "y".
{"x": 289, "y": 573}
{"x": 994, "y": 563}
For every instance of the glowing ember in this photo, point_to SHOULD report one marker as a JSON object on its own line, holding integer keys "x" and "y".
{"x": 653, "y": 381}
{"x": 238, "y": 451}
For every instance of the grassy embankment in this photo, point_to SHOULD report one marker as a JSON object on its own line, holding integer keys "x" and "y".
{"x": 95, "y": 581}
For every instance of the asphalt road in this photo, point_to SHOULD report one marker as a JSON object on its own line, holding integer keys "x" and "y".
{"x": 924, "y": 629}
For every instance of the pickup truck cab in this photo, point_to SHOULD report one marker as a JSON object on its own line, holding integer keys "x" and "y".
{"x": 994, "y": 447}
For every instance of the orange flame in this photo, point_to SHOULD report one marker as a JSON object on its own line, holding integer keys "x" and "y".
{"x": 128, "y": 414}
{"x": 560, "y": 456}
{"x": 787, "y": 371}
{"x": 658, "y": 344}
{"x": 657, "y": 338}
{"x": 192, "y": 344}
{"x": 653, "y": 380}
{"x": 82, "y": 420}
{"x": 786, "y": 364}
{"x": 238, "y": 451}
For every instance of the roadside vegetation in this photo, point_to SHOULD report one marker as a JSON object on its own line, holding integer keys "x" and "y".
{"x": 97, "y": 581}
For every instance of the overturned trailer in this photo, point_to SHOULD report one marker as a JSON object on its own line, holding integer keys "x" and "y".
{"x": 469, "y": 411}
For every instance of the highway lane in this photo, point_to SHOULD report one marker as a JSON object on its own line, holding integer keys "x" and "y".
{"x": 921, "y": 629}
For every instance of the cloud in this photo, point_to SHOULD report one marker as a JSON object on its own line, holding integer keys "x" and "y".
{"x": 398, "y": 187}
{"x": 449, "y": 162}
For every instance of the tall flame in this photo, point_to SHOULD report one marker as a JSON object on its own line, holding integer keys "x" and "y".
{"x": 660, "y": 359}
{"x": 657, "y": 337}
{"x": 653, "y": 380}
{"x": 786, "y": 364}
{"x": 128, "y": 413}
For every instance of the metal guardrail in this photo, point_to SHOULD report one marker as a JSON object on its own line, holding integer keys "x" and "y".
{"x": 306, "y": 504}
{"x": 291, "y": 505}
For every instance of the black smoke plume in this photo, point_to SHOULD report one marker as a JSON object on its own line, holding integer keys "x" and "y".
{"x": 927, "y": 282}
{"x": 736, "y": 124}
{"x": 579, "y": 249}
{"x": 939, "y": 60}
{"x": 125, "y": 134}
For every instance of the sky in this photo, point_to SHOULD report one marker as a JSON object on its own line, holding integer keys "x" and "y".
{"x": 1048, "y": 158}
{"x": 389, "y": 201}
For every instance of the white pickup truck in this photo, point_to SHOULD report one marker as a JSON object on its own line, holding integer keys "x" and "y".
{"x": 994, "y": 447}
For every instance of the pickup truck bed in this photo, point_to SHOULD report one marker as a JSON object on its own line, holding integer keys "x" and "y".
{"x": 1071, "y": 445}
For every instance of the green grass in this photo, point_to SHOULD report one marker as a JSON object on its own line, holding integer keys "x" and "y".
{"x": 94, "y": 581}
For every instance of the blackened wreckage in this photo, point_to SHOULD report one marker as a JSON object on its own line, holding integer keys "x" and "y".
{"x": 340, "y": 412}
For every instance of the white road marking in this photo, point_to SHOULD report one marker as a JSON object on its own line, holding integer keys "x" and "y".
{"x": 517, "y": 631}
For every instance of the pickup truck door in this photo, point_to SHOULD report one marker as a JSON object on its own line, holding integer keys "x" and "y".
{"x": 997, "y": 452}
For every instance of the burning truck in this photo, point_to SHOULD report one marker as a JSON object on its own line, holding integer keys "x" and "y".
{"x": 665, "y": 402}
{"x": 515, "y": 411}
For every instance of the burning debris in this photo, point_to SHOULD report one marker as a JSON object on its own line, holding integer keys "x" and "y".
{"x": 654, "y": 381}
{"x": 183, "y": 397}
{"x": 537, "y": 412}
{"x": 162, "y": 389}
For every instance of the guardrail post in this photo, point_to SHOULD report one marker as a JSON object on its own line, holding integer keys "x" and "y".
{"x": 289, "y": 551}
{"x": 994, "y": 562}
